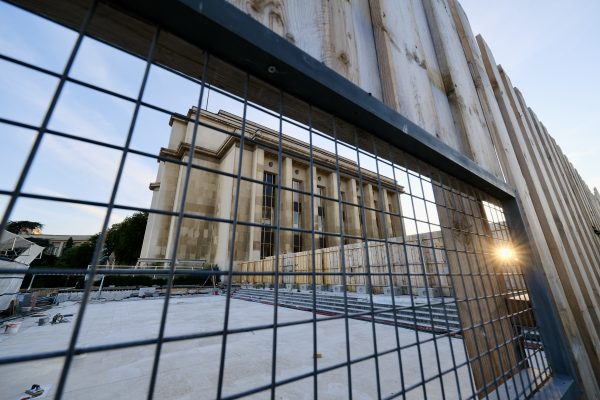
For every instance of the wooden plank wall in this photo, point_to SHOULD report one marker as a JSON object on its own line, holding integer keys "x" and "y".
{"x": 421, "y": 58}
{"x": 422, "y": 264}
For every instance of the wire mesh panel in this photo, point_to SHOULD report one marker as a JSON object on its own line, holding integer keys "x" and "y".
{"x": 240, "y": 241}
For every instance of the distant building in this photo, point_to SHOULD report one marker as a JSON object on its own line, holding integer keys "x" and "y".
{"x": 212, "y": 195}
{"x": 58, "y": 242}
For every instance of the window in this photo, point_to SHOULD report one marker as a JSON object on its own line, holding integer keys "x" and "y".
{"x": 267, "y": 236}
{"x": 297, "y": 210}
{"x": 322, "y": 242}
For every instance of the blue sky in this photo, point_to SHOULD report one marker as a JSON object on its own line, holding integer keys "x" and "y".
{"x": 551, "y": 51}
{"x": 72, "y": 169}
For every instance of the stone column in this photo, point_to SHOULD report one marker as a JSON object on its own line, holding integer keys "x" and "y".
{"x": 311, "y": 213}
{"x": 352, "y": 212}
{"x": 60, "y": 248}
{"x": 387, "y": 219}
{"x": 176, "y": 203}
{"x": 258, "y": 160}
{"x": 286, "y": 238}
{"x": 394, "y": 200}
{"x": 306, "y": 211}
{"x": 371, "y": 216}
{"x": 153, "y": 226}
{"x": 332, "y": 211}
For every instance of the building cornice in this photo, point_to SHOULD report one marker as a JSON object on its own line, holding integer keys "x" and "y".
{"x": 294, "y": 148}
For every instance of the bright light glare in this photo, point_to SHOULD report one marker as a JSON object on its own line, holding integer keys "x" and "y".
{"x": 506, "y": 253}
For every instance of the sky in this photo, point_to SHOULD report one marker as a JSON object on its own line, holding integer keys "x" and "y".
{"x": 551, "y": 51}
{"x": 68, "y": 168}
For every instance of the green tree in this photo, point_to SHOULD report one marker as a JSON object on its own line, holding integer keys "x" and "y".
{"x": 69, "y": 243}
{"x": 23, "y": 227}
{"x": 125, "y": 238}
{"x": 78, "y": 256}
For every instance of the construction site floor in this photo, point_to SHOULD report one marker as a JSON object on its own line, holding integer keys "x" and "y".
{"x": 189, "y": 369}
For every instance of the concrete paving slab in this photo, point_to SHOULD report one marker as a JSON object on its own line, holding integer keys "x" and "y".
{"x": 189, "y": 369}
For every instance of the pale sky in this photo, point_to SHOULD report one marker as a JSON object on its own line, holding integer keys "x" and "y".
{"x": 551, "y": 51}
{"x": 551, "y": 55}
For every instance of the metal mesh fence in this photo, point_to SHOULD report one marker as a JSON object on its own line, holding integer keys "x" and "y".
{"x": 392, "y": 279}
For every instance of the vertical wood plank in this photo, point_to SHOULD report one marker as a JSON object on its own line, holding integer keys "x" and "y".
{"x": 565, "y": 210}
{"x": 466, "y": 109}
{"x": 547, "y": 240}
{"x": 410, "y": 77}
{"x": 572, "y": 275}
{"x": 575, "y": 211}
{"x": 336, "y": 32}
{"x": 582, "y": 196}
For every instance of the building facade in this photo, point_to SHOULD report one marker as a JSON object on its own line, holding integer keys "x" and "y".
{"x": 209, "y": 202}
{"x": 58, "y": 242}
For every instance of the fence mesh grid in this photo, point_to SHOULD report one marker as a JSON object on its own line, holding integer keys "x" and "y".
{"x": 392, "y": 279}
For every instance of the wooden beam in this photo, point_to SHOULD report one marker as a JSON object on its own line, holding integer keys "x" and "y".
{"x": 336, "y": 32}
{"x": 571, "y": 276}
{"x": 410, "y": 76}
{"x": 546, "y": 238}
{"x": 460, "y": 88}
{"x": 583, "y": 197}
{"x": 577, "y": 209}
{"x": 565, "y": 210}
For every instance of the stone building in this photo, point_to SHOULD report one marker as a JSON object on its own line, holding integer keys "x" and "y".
{"x": 210, "y": 196}
{"x": 58, "y": 242}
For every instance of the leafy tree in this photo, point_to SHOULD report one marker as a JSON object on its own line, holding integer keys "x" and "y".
{"x": 125, "y": 238}
{"x": 78, "y": 256}
{"x": 23, "y": 227}
{"x": 68, "y": 244}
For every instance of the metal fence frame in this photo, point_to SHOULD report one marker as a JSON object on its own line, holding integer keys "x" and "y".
{"x": 255, "y": 49}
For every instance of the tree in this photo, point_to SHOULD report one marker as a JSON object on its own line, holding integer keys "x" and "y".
{"x": 78, "y": 256}
{"x": 69, "y": 243}
{"x": 24, "y": 227}
{"x": 125, "y": 238}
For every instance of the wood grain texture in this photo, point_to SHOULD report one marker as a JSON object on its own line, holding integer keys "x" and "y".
{"x": 576, "y": 211}
{"x": 546, "y": 239}
{"x": 410, "y": 76}
{"x": 581, "y": 198}
{"x": 565, "y": 210}
{"x": 570, "y": 276}
{"x": 460, "y": 88}
{"x": 337, "y": 32}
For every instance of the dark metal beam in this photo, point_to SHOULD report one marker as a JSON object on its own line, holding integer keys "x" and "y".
{"x": 546, "y": 313}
